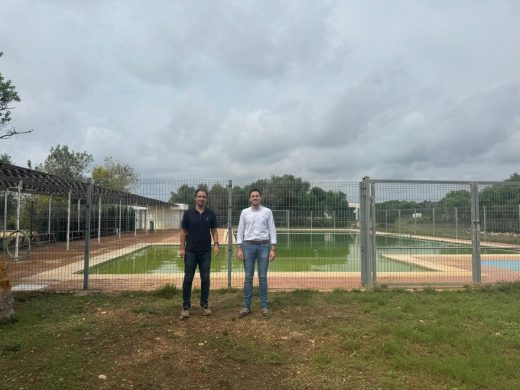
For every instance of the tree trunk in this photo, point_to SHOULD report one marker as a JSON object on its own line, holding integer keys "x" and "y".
{"x": 6, "y": 296}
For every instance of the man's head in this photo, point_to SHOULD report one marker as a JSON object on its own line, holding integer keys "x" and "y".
{"x": 255, "y": 197}
{"x": 201, "y": 197}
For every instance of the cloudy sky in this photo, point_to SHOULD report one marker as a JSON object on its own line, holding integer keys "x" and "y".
{"x": 249, "y": 89}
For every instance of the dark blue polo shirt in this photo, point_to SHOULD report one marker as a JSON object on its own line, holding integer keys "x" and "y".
{"x": 198, "y": 226}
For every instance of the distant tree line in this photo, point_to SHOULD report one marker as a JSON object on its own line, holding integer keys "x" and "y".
{"x": 284, "y": 194}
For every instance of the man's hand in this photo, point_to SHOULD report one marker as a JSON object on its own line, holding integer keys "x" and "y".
{"x": 240, "y": 253}
{"x": 216, "y": 248}
{"x": 182, "y": 252}
{"x": 272, "y": 254}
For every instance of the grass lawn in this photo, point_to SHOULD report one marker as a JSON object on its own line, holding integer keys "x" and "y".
{"x": 388, "y": 339}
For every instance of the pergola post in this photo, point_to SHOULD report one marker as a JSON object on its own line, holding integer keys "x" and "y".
{"x": 79, "y": 210}
{"x": 119, "y": 228}
{"x": 18, "y": 201}
{"x": 68, "y": 221}
{"x": 164, "y": 224}
{"x": 146, "y": 220}
{"x": 5, "y": 210}
{"x": 49, "y": 220}
{"x": 99, "y": 220}
{"x": 5, "y": 219}
{"x": 135, "y": 220}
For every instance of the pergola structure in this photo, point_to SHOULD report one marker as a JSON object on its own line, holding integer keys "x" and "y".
{"x": 27, "y": 181}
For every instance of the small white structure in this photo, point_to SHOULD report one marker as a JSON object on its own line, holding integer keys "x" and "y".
{"x": 159, "y": 217}
{"x": 355, "y": 206}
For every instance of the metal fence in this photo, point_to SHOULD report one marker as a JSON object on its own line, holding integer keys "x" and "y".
{"x": 331, "y": 234}
{"x": 443, "y": 233}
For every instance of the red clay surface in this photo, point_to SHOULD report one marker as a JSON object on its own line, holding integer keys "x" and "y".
{"x": 47, "y": 268}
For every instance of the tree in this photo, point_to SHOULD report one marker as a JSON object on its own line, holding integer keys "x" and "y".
{"x": 459, "y": 198}
{"x": 185, "y": 194}
{"x": 5, "y": 158}
{"x": 8, "y": 95}
{"x": 286, "y": 193}
{"x": 6, "y": 296}
{"x": 115, "y": 175}
{"x": 66, "y": 163}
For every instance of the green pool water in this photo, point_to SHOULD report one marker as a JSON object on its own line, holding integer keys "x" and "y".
{"x": 323, "y": 252}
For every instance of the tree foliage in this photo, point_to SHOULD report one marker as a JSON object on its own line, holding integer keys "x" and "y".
{"x": 8, "y": 95}
{"x": 5, "y": 158}
{"x": 66, "y": 163}
{"x": 115, "y": 175}
{"x": 286, "y": 193}
{"x": 459, "y": 198}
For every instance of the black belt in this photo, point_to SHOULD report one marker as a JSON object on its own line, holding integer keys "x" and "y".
{"x": 257, "y": 242}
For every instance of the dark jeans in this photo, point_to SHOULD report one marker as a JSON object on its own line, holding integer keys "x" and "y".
{"x": 191, "y": 260}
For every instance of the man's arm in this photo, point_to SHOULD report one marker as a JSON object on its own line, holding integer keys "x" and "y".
{"x": 216, "y": 244}
{"x": 182, "y": 243}
{"x": 272, "y": 235}
{"x": 240, "y": 235}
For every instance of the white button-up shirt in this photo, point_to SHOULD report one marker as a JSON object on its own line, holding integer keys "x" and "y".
{"x": 256, "y": 225}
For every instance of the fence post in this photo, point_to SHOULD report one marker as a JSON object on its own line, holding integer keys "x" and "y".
{"x": 86, "y": 260}
{"x": 367, "y": 233}
{"x": 230, "y": 231}
{"x": 475, "y": 234}
{"x": 372, "y": 225}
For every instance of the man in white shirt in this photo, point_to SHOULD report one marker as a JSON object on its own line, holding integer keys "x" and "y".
{"x": 256, "y": 241}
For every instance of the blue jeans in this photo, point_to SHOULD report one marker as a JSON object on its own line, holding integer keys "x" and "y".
{"x": 191, "y": 260}
{"x": 260, "y": 253}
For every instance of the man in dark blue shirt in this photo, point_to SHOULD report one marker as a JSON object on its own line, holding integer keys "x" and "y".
{"x": 198, "y": 225}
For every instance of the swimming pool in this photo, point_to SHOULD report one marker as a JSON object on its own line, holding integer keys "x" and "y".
{"x": 318, "y": 252}
{"x": 511, "y": 265}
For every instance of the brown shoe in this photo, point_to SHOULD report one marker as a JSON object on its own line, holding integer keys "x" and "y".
{"x": 265, "y": 312}
{"x": 244, "y": 312}
{"x": 185, "y": 313}
{"x": 206, "y": 311}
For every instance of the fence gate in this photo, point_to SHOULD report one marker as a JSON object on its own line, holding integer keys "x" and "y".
{"x": 439, "y": 233}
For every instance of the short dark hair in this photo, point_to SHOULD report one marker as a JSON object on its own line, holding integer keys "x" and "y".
{"x": 199, "y": 190}
{"x": 254, "y": 190}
